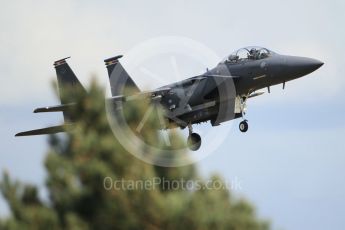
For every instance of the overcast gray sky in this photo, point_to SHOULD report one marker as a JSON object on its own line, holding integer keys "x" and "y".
{"x": 291, "y": 161}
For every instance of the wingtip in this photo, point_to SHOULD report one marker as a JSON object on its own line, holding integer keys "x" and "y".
{"x": 21, "y": 134}
{"x": 47, "y": 130}
{"x": 40, "y": 110}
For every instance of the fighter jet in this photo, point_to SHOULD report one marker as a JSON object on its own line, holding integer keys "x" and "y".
{"x": 218, "y": 95}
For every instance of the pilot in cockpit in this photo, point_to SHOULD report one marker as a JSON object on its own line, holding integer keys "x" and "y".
{"x": 253, "y": 54}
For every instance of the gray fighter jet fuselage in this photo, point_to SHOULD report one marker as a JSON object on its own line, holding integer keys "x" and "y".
{"x": 246, "y": 70}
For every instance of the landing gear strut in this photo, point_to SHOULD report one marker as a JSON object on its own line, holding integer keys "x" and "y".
{"x": 243, "y": 126}
{"x": 193, "y": 140}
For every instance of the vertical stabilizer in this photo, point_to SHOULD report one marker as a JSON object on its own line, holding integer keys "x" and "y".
{"x": 120, "y": 82}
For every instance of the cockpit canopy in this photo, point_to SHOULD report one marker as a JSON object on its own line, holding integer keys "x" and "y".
{"x": 248, "y": 53}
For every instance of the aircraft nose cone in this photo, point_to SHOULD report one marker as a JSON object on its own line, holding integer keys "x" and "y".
{"x": 301, "y": 66}
{"x": 312, "y": 64}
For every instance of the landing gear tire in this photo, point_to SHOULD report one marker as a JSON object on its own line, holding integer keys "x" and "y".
{"x": 194, "y": 141}
{"x": 243, "y": 126}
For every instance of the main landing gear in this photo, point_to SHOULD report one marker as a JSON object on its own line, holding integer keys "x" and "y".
{"x": 193, "y": 140}
{"x": 243, "y": 126}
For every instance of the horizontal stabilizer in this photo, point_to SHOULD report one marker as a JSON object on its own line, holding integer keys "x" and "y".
{"x": 49, "y": 130}
{"x": 56, "y": 108}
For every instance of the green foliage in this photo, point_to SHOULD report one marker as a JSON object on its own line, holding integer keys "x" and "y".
{"x": 79, "y": 197}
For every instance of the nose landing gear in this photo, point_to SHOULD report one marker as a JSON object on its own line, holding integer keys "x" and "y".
{"x": 193, "y": 140}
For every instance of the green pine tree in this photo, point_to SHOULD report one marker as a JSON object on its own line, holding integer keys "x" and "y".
{"x": 81, "y": 198}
